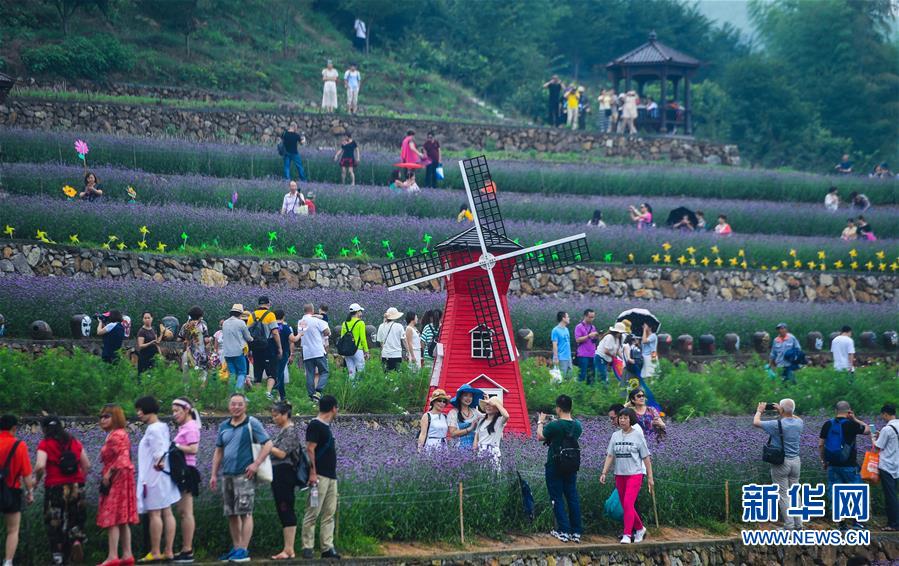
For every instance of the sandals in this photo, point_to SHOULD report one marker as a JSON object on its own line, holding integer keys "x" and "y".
{"x": 284, "y": 556}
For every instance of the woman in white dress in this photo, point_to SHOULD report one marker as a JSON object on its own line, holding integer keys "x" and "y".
{"x": 434, "y": 426}
{"x": 629, "y": 112}
{"x": 329, "y": 93}
{"x": 489, "y": 433}
{"x": 156, "y": 492}
{"x": 413, "y": 341}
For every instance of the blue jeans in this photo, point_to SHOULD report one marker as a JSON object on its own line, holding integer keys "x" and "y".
{"x": 321, "y": 364}
{"x": 585, "y": 364}
{"x": 237, "y": 372}
{"x": 279, "y": 379}
{"x": 564, "y": 487}
{"x": 602, "y": 368}
{"x": 293, "y": 158}
{"x": 788, "y": 374}
{"x": 843, "y": 474}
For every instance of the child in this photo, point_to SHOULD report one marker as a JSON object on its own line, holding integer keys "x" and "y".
{"x": 464, "y": 214}
{"x": 723, "y": 228}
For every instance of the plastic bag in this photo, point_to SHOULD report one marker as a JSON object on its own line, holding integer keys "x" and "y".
{"x": 612, "y": 507}
{"x": 555, "y": 375}
{"x": 869, "y": 467}
{"x": 223, "y": 372}
{"x": 439, "y": 172}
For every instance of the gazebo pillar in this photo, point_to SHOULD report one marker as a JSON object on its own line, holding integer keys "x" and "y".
{"x": 627, "y": 79}
{"x": 663, "y": 110}
{"x": 688, "y": 110}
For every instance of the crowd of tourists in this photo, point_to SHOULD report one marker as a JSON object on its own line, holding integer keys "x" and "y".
{"x": 164, "y": 481}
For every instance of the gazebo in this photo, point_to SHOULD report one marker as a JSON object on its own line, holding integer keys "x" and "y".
{"x": 656, "y": 61}
{"x": 6, "y": 84}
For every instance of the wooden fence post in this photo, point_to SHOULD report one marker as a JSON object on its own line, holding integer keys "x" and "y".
{"x": 726, "y": 501}
{"x": 461, "y": 515}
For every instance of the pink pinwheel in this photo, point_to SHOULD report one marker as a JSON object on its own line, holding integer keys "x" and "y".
{"x": 81, "y": 148}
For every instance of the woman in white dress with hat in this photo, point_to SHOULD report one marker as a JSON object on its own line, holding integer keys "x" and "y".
{"x": 434, "y": 425}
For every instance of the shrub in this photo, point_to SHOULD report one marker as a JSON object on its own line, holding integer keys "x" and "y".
{"x": 80, "y": 57}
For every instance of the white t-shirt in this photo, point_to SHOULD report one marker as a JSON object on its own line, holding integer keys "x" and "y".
{"x": 311, "y": 330}
{"x": 841, "y": 347}
{"x": 352, "y": 79}
{"x": 888, "y": 442}
{"x": 390, "y": 336}
{"x": 486, "y": 439}
{"x": 359, "y": 26}
{"x": 831, "y": 202}
{"x": 608, "y": 344}
{"x": 292, "y": 203}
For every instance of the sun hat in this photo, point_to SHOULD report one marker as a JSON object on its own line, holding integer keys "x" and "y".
{"x": 495, "y": 401}
{"x": 437, "y": 395}
{"x": 393, "y": 314}
{"x": 236, "y": 307}
{"x": 781, "y": 325}
{"x": 476, "y": 396}
{"x": 619, "y": 327}
{"x": 355, "y": 307}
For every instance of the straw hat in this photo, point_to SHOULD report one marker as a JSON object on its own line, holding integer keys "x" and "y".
{"x": 237, "y": 307}
{"x": 392, "y": 314}
{"x": 619, "y": 327}
{"x": 437, "y": 395}
{"x": 495, "y": 401}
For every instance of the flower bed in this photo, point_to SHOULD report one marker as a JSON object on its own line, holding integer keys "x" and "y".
{"x": 25, "y": 299}
{"x": 755, "y": 217}
{"x": 170, "y": 226}
{"x": 245, "y": 161}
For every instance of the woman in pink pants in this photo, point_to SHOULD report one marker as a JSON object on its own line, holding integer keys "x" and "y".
{"x": 628, "y": 450}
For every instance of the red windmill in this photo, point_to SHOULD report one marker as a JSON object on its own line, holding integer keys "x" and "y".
{"x": 475, "y": 345}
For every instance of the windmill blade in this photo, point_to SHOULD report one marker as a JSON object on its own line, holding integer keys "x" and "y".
{"x": 488, "y": 313}
{"x": 413, "y": 270}
{"x": 482, "y": 194}
{"x": 549, "y": 256}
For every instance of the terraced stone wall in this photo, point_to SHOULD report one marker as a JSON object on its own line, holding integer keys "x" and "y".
{"x": 19, "y": 258}
{"x": 321, "y": 129}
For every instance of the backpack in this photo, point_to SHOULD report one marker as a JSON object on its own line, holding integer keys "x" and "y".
{"x": 68, "y": 462}
{"x": 836, "y": 451}
{"x": 281, "y": 150}
{"x": 304, "y": 466}
{"x": 567, "y": 459}
{"x": 432, "y": 345}
{"x": 7, "y": 493}
{"x": 257, "y": 331}
{"x": 346, "y": 345}
{"x": 178, "y": 469}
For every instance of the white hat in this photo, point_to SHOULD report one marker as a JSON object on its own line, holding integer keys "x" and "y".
{"x": 619, "y": 327}
{"x": 392, "y": 314}
{"x": 356, "y": 307}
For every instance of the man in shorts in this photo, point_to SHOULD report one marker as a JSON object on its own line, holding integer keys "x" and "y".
{"x": 233, "y": 457}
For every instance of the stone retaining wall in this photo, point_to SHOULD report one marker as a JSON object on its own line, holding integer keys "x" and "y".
{"x": 264, "y": 127}
{"x": 619, "y": 282}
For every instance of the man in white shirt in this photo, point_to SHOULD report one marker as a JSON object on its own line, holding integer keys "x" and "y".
{"x": 352, "y": 79}
{"x": 888, "y": 445}
{"x": 294, "y": 202}
{"x": 843, "y": 349}
{"x": 361, "y": 34}
{"x": 390, "y": 337}
{"x": 311, "y": 333}
{"x": 608, "y": 349}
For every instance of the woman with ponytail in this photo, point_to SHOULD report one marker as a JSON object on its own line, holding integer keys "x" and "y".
{"x": 188, "y": 441}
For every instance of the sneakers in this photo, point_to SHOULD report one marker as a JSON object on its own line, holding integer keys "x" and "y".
{"x": 316, "y": 397}
{"x": 561, "y": 536}
{"x": 184, "y": 557}
{"x": 269, "y": 396}
{"x": 226, "y": 557}
{"x": 625, "y": 539}
{"x": 240, "y": 555}
{"x": 331, "y": 554}
{"x": 575, "y": 538}
{"x": 307, "y": 554}
{"x": 640, "y": 535}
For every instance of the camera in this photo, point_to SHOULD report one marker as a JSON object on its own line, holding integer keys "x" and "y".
{"x": 100, "y": 316}
{"x": 769, "y": 406}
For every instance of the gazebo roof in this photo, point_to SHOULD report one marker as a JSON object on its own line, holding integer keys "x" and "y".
{"x": 654, "y": 53}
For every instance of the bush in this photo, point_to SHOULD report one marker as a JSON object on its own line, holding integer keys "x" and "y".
{"x": 80, "y": 58}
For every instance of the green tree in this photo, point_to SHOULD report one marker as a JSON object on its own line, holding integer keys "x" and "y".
{"x": 65, "y": 9}
{"x": 180, "y": 16}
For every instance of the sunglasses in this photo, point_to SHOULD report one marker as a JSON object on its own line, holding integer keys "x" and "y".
{"x": 440, "y": 401}
{"x": 640, "y": 396}
{"x": 107, "y": 416}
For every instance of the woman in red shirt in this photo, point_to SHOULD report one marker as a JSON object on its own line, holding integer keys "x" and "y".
{"x": 64, "y": 463}
{"x": 117, "y": 509}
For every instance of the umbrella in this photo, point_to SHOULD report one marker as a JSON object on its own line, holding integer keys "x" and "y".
{"x": 677, "y": 215}
{"x": 409, "y": 165}
{"x": 638, "y": 318}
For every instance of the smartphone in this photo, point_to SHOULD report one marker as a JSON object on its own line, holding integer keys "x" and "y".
{"x": 769, "y": 407}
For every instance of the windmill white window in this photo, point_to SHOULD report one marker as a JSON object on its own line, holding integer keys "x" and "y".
{"x": 481, "y": 342}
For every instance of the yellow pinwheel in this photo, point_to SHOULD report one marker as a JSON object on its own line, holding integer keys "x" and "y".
{"x": 667, "y": 258}
{"x": 797, "y": 264}
{"x": 741, "y": 253}
{"x": 821, "y": 254}
{"x": 854, "y": 265}
{"x": 838, "y": 264}
{"x": 9, "y": 230}
{"x": 682, "y": 260}
{"x": 743, "y": 264}
{"x": 691, "y": 250}
{"x": 853, "y": 253}
{"x": 705, "y": 261}
{"x": 715, "y": 250}
{"x": 144, "y": 230}
{"x": 41, "y": 235}
{"x": 792, "y": 253}
{"x": 719, "y": 261}
{"x": 160, "y": 247}
{"x": 733, "y": 262}
{"x": 692, "y": 261}
{"x": 666, "y": 246}
{"x": 69, "y": 191}
{"x": 882, "y": 266}
{"x": 811, "y": 265}
{"x": 656, "y": 258}
{"x": 74, "y": 239}
{"x": 142, "y": 245}
{"x": 785, "y": 263}
{"x": 630, "y": 257}
{"x": 870, "y": 265}
{"x": 121, "y": 246}
{"x": 880, "y": 254}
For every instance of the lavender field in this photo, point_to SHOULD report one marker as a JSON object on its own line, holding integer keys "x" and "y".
{"x": 25, "y": 299}
{"x": 389, "y": 492}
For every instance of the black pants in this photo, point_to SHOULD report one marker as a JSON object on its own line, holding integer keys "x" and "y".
{"x": 391, "y": 364}
{"x": 889, "y": 495}
{"x": 431, "y": 174}
{"x": 554, "y": 112}
{"x": 265, "y": 360}
{"x": 283, "y": 485}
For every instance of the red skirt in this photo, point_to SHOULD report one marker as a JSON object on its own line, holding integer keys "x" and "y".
{"x": 119, "y": 506}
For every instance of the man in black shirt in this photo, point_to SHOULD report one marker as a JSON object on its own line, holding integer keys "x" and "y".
{"x": 555, "y": 91}
{"x": 323, "y": 480}
{"x": 290, "y": 139}
{"x": 839, "y": 457}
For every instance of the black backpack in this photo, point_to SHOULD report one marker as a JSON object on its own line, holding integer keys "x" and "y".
{"x": 257, "y": 331}
{"x": 432, "y": 345}
{"x": 178, "y": 469}
{"x": 346, "y": 345}
{"x": 7, "y": 494}
{"x": 304, "y": 466}
{"x": 68, "y": 462}
{"x": 567, "y": 459}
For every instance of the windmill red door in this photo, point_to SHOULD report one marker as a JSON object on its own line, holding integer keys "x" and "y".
{"x": 465, "y": 348}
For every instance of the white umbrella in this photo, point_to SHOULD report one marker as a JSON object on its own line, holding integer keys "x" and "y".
{"x": 639, "y": 317}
